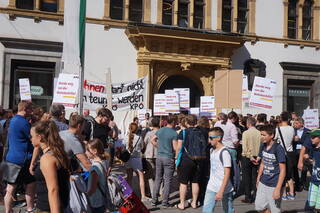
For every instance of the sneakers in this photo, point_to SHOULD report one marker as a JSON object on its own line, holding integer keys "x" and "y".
{"x": 154, "y": 203}
{"x": 291, "y": 197}
{"x": 284, "y": 197}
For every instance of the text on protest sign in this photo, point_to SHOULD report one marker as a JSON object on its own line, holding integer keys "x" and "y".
{"x": 159, "y": 104}
{"x": 66, "y": 90}
{"x": 129, "y": 95}
{"x": 245, "y": 90}
{"x": 311, "y": 118}
{"x": 94, "y": 95}
{"x": 195, "y": 111}
{"x": 142, "y": 113}
{"x": 24, "y": 87}
{"x": 184, "y": 98}
{"x": 207, "y": 106}
{"x": 172, "y": 105}
{"x": 262, "y": 93}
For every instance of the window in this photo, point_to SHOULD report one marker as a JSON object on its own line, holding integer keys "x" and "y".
{"x": 25, "y": 4}
{"x": 253, "y": 68}
{"x": 135, "y": 10}
{"x": 198, "y": 14}
{"x": 167, "y": 12}
{"x": 307, "y": 20}
{"x": 49, "y": 6}
{"x": 242, "y": 23}
{"x": 183, "y": 12}
{"x": 116, "y": 9}
{"x": 226, "y": 15}
{"x": 292, "y": 19}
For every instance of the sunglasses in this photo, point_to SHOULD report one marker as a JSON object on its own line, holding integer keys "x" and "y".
{"x": 213, "y": 137}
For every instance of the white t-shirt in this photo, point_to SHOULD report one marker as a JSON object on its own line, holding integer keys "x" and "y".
{"x": 287, "y": 134}
{"x": 217, "y": 170}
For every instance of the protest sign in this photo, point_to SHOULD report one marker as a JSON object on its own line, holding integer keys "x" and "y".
{"x": 172, "y": 98}
{"x": 24, "y": 87}
{"x": 129, "y": 95}
{"x": 184, "y": 98}
{"x": 195, "y": 111}
{"x": 207, "y": 107}
{"x": 245, "y": 92}
{"x": 66, "y": 90}
{"x": 142, "y": 113}
{"x": 94, "y": 95}
{"x": 311, "y": 118}
{"x": 262, "y": 93}
{"x": 159, "y": 104}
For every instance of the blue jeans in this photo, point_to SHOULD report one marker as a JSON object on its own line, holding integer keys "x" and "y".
{"x": 210, "y": 202}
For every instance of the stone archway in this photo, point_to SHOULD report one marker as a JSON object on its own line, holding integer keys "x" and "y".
{"x": 180, "y": 81}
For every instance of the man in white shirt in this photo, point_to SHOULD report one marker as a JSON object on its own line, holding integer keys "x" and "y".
{"x": 219, "y": 186}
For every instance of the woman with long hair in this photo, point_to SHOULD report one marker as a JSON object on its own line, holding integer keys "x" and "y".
{"x": 134, "y": 144}
{"x": 51, "y": 172}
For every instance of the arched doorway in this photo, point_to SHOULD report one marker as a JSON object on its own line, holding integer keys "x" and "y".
{"x": 179, "y": 81}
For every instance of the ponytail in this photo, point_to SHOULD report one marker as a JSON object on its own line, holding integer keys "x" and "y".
{"x": 133, "y": 127}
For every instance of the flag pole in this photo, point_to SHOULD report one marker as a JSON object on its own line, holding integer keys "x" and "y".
{"x": 82, "y": 44}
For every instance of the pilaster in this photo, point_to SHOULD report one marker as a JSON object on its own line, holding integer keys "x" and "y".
{"x": 252, "y": 17}
{"x": 146, "y": 11}
{"x": 234, "y": 16}
{"x": 285, "y": 18}
{"x": 207, "y": 15}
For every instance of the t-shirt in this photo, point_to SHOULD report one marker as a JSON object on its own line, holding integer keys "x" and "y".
{"x": 230, "y": 133}
{"x": 271, "y": 159}
{"x": 151, "y": 150}
{"x": 217, "y": 170}
{"x": 20, "y": 147}
{"x": 100, "y": 131}
{"x": 61, "y": 126}
{"x": 287, "y": 134}
{"x": 315, "y": 177}
{"x": 72, "y": 147}
{"x": 165, "y": 137}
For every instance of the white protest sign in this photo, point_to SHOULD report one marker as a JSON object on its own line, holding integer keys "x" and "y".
{"x": 262, "y": 93}
{"x": 24, "y": 87}
{"x": 172, "y": 98}
{"x": 207, "y": 107}
{"x": 66, "y": 90}
{"x": 142, "y": 113}
{"x": 94, "y": 95}
{"x": 245, "y": 91}
{"x": 195, "y": 111}
{"x": 129, "y": 95}
{"x": 184, "y": 98}
{"x": 159, "y": 104}
{"x": 311, "y": 118}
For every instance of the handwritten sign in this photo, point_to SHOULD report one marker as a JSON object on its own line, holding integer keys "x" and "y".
{"x": 207, "y": 107}
{"x": 94, "y": 95}
{"x": 184, "y": 98}
{"x": 129, "y": 95}
{"x": 24, "y": 87}
{"x": 66, "y": 90}
{"x": 311, "y": 118}
{"x": 262, "y": 93}
{"x": 159, "y": 104}
{"x": 142, "y": 113}
{"x": 172, "y": 98}
{"x": 195, "y": 111}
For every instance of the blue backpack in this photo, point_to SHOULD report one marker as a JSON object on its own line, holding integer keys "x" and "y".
{"x": 235, "y": 176}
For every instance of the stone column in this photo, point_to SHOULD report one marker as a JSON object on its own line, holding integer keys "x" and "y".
{"x": 126, "y": 10}
{"x": 144, "y": 69}
{"x": 300, "y": 18}
{"x": 159, "y": 11}
{"x": 37, "y": 5}
{"x": 12, "y": 4}
{"x": 252, "y": 17}
{"x": 61, "y": 6}
{"x": 316, "y": 20}
{"x": 146, "y": 11}
{"x": 175, "y": 12}
{"x": 106, "y": 9}
{"x": 285, "y": 18}
{"x": 234, "y": 16}
{"x": 191, "y": 13}
{"x": 207, "y": 15}
{"x": 219, "y": 14}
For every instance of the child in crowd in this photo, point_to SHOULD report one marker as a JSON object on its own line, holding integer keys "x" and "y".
{"x": 314, "y": 189}
{"x": 97, "y": 178}
{"x": 219, "y": 186}
{"x": 271, "y": 173}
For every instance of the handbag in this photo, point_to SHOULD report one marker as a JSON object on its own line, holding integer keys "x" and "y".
{"x": 10, "y": 171}
{"x": 179, "y": 157}
{"x": 125, "y": 154}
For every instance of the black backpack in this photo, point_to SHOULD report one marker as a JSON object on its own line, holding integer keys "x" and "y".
{"x": 196, "y": 144}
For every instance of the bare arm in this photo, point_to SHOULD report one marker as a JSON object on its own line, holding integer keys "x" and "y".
{"x": 48, "y": 166}
{"x": 276, "y": 193}
{"x": 260, "y": 172}
{"x": 179, "y": 145}
{"x": 35, "y": 156}
{"x": 175, "y": 145}
{"x": 154, "y": 141}
{"x": 84, "y": 161}
{"x": 227, "y": 171}
{"x": 94, "y": 183}
{"x": 301, "y": 157}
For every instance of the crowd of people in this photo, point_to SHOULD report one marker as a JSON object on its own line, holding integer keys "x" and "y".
{"x": 42, "y": 150}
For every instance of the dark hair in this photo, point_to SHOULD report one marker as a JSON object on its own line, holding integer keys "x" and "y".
{"x": 24, "y": 105}
{"x": 56, "y": 110}
{"x": 223, "y": 117}
{"x": 204, "y": 122}
{"x": 233, "y": 115}
{"x": 75, "y": 120}
{"x": 269, "y": 129}
{"x": 251, "y": 121}
{"x": 14, "y": 109}
{"x": 172, "y": 119}
{"x": 285, "y": 116}
{"x": 262, "y": 118}
{"x": 155, "y": 122}
{"x": 217, "y": 130}
{"x": 133, "y": 128}
{"x": 98, "y": 145}
{"x": 104, "y": 112}
{"x": 191, "y": 120}
{"x": 50, "y": 134}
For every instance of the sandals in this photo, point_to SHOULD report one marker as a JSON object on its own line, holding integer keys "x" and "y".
{"x": 177, "y": 207}
{"x": 31, "y": 211}
{"x": 190, "y": 203}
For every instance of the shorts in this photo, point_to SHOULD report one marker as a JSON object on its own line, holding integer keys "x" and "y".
{"x": 24, "y": 176}
{"x": 189, "y": 170}
{"x": 134, "y": 163}
{"x": 314, "y": 196}
{"x": 264, "y": 199}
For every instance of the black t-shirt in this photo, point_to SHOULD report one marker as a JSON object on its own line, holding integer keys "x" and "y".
{"x": 100, "y": 131}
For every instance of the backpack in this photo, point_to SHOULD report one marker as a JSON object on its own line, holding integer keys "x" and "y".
{"x": 235, "y": 176}
{"x": 196, "y": 144}
{"x": 90, "y": 120}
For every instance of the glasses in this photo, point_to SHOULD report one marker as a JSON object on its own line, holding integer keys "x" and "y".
{"x": 213, "y": 137}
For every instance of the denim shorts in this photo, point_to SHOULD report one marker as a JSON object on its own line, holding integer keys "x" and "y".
{"x": 210, "y": 202}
